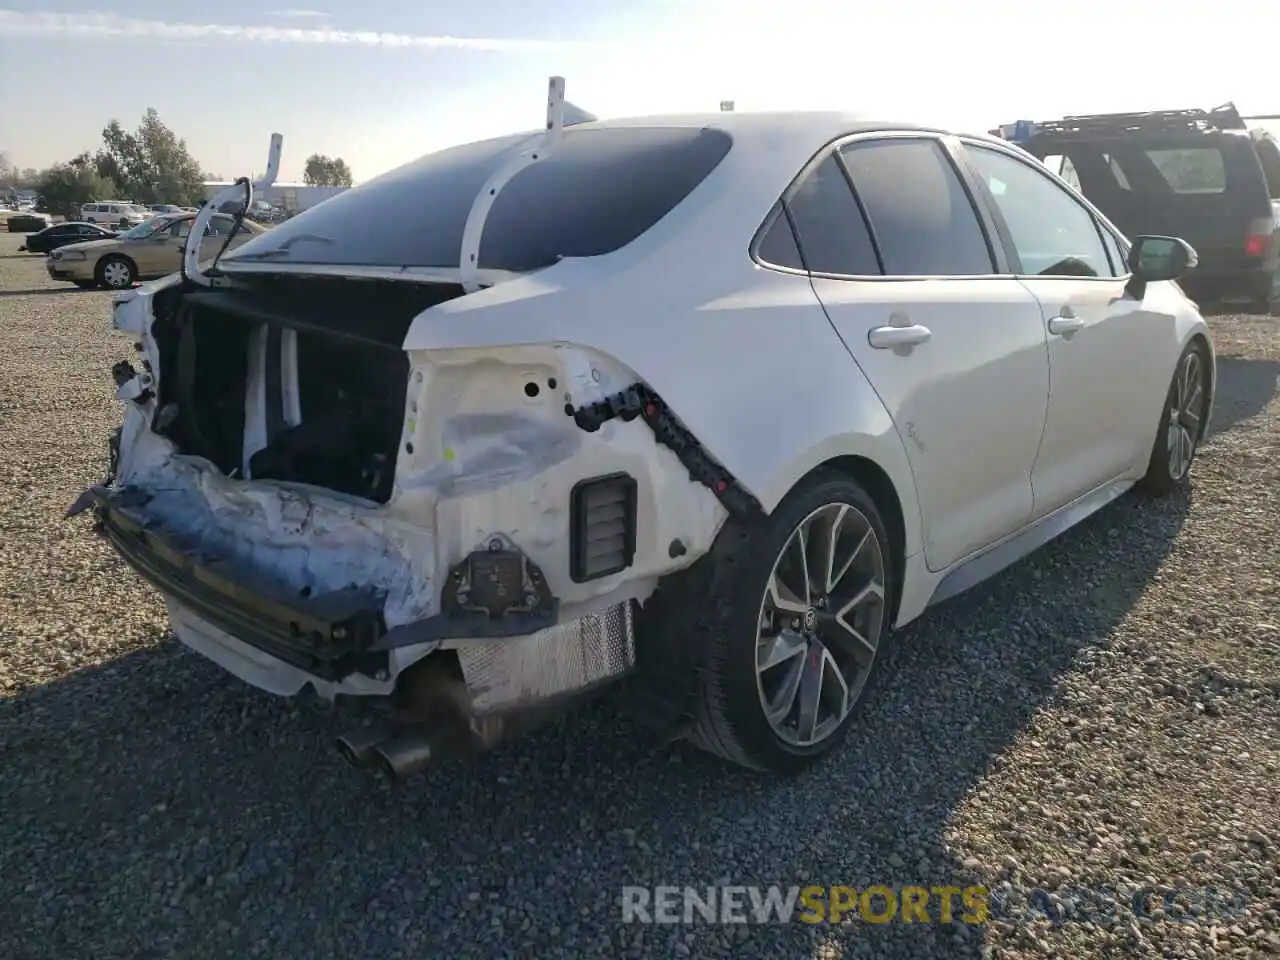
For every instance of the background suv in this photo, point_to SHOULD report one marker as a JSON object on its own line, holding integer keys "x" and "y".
{"x": 1200, "y": 175}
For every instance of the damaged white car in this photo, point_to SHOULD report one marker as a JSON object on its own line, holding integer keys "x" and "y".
{"x": 709, "y": 403}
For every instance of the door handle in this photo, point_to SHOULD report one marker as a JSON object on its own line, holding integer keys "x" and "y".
{"x": 1065, "y": 326}
{"x": 890, "y": 338}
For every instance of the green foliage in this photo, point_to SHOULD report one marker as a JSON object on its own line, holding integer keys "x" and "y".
{"x": 322, "y": 171}
{"x": 64, "y": 187}
{"x": 151, "y": 164}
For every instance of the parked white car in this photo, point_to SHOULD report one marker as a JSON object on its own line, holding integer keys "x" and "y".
{"x": 712, "y": 402}
{"x": 115, "y": 214}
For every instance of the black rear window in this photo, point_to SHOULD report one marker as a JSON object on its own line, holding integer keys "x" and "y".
{"x": 600, "y": 190}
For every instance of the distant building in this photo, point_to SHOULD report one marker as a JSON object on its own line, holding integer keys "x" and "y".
{"x": 293, "y": 197}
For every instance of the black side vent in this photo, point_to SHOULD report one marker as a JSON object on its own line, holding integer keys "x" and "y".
{"x": 602, "y": 526}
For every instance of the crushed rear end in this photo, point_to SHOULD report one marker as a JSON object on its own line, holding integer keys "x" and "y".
{"x": 321, "y": 503}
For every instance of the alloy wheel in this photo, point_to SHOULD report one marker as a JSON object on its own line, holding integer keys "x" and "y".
{"x": 1186, "y": 415}
{"x": 820, "y": 624}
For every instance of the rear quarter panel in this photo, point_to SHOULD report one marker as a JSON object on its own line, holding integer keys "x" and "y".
{"x": 744, "y": 356}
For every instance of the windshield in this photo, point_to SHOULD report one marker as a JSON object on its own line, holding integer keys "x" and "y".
{"x": 144, "y": 230}
{"x": 599, "y": 191}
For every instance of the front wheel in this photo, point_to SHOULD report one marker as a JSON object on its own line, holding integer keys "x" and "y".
{"x": 1183, "y": 424}
{"x": 797, "y": 634}
{"x": 116, "y": 273}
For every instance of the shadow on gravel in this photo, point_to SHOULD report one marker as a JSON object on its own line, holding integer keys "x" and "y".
{"x": 1253, "y": 385}
{"x": 156, "y": 807}
{"x": 41, "y": 292}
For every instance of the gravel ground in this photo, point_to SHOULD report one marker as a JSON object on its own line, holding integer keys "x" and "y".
{"x": 1104, "y": 716}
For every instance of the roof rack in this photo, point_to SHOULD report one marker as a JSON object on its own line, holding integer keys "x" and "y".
{"x": 1225, "y": 117}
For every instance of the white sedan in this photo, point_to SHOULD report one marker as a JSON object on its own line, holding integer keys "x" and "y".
{"x": 713, "y": 403}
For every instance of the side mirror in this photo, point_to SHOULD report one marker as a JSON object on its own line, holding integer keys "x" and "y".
{"x": 1152, "y": 259}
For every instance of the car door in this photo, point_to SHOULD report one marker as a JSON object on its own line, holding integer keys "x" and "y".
{"x": 220, "y": 227}
{"x": 81, "y": 233}
{"x": 158, "y": 254}
{"x": 1104, "y": 391}
{"x": 955, "y": 352}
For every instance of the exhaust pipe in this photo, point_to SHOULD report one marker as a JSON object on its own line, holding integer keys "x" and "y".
{"x": 434, "y": 715}
{"x": 401, "y": 757}
{"x": 357, "y": 746}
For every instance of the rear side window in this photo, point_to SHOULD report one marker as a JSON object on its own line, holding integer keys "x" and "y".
{"x": 920, "y": 214}
{"x": 600, "y": 190}
{"x": 1191, "y": 169}
{"x": 832, "y": 232}
{"x": 1116, "y": 171}
{"x": 778, "y": 245}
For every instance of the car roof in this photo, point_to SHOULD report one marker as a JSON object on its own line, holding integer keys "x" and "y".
{"x": 769, "y": 149}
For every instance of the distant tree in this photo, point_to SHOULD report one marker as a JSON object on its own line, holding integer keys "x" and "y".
{"x": 65, "y": 187}
{"x": 322, "y": 171}
{"x": 151, "y": 164}
{"x": 8, "y": 172}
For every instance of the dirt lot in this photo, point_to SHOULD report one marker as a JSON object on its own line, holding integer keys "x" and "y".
{"x": 1103, "y": 717}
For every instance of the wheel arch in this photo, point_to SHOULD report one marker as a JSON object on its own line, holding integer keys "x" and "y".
{"x": 877, "y": 461}
{"x": 880, "y": 487}
{"x": 1200, "y": 338}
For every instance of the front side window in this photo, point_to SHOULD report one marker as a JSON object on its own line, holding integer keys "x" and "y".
{"x": 921, "y": 217}
{"x": 1119, "y": 267}
{"x": 1191, "y": 169}
{"x": 1052, "y": 233}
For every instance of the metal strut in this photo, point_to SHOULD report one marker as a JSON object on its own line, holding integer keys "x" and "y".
{"x": 560, "y": 113}
{"x": 242, "y": 187}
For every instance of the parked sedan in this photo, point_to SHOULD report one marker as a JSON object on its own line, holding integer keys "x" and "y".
{"x": 816, "y": 375}
{"x": 62, "y": 234}
{"x": 151, "y": 249}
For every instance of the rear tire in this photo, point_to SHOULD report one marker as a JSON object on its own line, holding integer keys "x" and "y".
{"x": 1183, "y": 423}
{"x": 789, "y": 617}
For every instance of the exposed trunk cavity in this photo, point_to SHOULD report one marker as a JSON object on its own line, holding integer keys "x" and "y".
{"x": 294, "y": 379}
